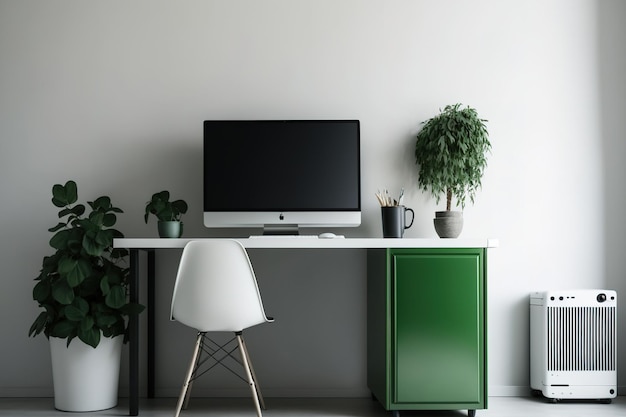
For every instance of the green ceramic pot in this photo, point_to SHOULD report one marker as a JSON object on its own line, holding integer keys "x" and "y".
{"x": 172, "y": 229}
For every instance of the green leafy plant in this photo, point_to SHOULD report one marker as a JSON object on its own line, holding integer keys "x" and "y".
{"x": 451, "y": 152}
{"x": 164, "y": 209}
{"x": 82, "y": 287}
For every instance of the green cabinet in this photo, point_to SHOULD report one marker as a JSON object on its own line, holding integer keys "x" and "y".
{"x": 427, "y": 329}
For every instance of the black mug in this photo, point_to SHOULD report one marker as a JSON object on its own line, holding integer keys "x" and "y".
{"x": 394, "y": 220}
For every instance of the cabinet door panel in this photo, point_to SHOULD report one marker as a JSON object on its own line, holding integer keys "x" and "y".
{"x": 437, "y": 328}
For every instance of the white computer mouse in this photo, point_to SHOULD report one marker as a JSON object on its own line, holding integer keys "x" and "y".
{"x": 327, "y": 235}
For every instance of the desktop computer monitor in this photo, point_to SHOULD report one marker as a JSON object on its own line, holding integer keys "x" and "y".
{"x": 282, "y": 175}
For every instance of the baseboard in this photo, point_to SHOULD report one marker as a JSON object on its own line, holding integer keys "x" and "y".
{"x": 271, "y": 392}
{"x": 509, "y": 391}
{"x": 45, "y": 392}
{"x": 494, "y": 391}
{"x": 39, "y": 392}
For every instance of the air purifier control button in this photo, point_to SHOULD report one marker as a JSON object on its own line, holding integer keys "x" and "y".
{"x": 601, "y": 297}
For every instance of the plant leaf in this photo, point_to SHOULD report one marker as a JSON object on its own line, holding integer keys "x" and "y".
{"x": 74, "y": 314}
{"x": 90, "y": 337}
{"x": 105, "y": 320}
{"x": 59, "y": 226}
{"x": 104, "y": 285}
{"x": 41, "y": 291}
{"x": 180, "y": 205}
{"x": 95, "y": 242}
{"x": 63, "y": 329}
{"x": 62, "y": 293}
{"x": 109, "y": 220}
{"x": 116, "y": 298}
{"x": 133, "y": 308}
{"x": 101, "y": 203}
{"x": 86, "y": 324}
{"x": 64, "y": 195}
{"x": 59, "y": 240}
{"x": 39, "y": 324}
{"x": 74, "y": 270}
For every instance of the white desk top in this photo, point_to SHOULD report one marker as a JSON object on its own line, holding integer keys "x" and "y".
{"x": 276, "y": 242}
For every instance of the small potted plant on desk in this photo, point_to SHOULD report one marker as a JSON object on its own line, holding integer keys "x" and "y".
{"x": 168, "y": 213}
{"x": 84, "y": 291}
{"x": 451, "y": 151}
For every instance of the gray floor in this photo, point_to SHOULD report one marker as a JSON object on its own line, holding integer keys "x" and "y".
{"x": 309, "y": 407}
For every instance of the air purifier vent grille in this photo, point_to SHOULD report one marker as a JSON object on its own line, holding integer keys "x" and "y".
{"x": 582, "y": 339}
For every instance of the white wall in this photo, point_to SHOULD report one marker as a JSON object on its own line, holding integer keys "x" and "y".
{"x": 113, "y": 94}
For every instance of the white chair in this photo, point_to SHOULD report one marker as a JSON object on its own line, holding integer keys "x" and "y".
{"x": 216, "y": 291}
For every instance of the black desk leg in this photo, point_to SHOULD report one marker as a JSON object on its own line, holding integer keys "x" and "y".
{"x": 151, "y": 334}
{"x": 133, "y": 330}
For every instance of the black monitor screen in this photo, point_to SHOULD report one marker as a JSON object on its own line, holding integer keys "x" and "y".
{"x": 293, "y": 165}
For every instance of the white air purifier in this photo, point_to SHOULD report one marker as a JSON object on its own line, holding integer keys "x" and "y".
{"x": 573, "y": 344}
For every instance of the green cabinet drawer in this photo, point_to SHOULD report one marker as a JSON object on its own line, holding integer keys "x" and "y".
{"x": 428, "y": 305}
{"x": 437, "y": 328}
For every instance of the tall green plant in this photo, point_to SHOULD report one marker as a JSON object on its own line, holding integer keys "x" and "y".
{"x": 82, "y": 287}
{"x": 451, "y": 152}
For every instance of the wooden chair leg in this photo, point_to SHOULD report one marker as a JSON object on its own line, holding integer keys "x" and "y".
{"x": 246, "y": 366}
{"x": 192, "y": 365}
{"x": 256, "y": 380}
{"x": 195, "y": 367}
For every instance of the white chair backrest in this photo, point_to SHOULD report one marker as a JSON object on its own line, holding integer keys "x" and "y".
{"x": 216, "y": 289}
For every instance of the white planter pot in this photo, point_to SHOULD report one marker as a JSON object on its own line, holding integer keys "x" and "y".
{"x": 85, "y": 379}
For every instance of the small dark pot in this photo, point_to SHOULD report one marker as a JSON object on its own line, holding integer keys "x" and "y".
{"x": 171, "y": 229}
{"x": 448, "y": 224}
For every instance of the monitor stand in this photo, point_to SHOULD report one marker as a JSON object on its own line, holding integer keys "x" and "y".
{"x": 281, "y": 230}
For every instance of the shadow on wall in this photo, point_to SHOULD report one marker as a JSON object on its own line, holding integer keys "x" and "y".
{"x": 612, "y": 68}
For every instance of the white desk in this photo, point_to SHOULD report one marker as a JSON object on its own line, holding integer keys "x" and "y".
{"x": 151, "y": 244}
{"x": 287, "y": 242}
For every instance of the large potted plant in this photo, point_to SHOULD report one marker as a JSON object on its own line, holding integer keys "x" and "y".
{"x": 83, "y": 289}
{"x": 168, "y": 214}
{"x": 451, "y": 152}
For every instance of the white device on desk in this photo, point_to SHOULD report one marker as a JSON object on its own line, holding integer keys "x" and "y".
{"x": 328, "y": 235}
{"x": 325, "y": 235}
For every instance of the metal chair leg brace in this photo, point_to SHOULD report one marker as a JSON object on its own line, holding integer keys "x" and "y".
{"x": 211, "y": 349}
